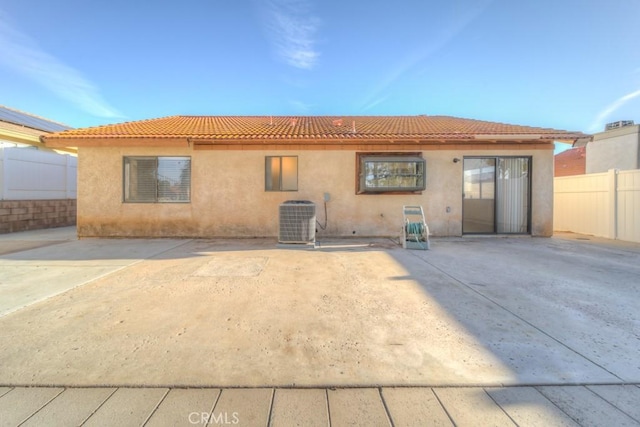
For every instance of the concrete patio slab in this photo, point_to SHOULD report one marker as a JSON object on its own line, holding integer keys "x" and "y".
{"x": 360, "y": 406}
{"x": 21, "y": 403}
{"x": 574, "y": 292}
{"x": 185, "y": 406}
{"x": 586, "y": 407}
{"x": 526, "y": 406}
{"x": 229, "y": 313}
{"x": 127, "y": 407}
{"x": 249, "y": 407}
{"x": 307, "y": 407}
{"x": 13, "y": 242}
{"x": 37, "y": 274}
{"x": 425, "y": 408}
{"x": 460, "y": 401}
{"x": 539, "y": 315}
{"x": 626, "y": 397}
{"x": 72, "y": 407}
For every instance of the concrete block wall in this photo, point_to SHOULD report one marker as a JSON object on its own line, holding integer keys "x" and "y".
{"x": 21, "y": 215}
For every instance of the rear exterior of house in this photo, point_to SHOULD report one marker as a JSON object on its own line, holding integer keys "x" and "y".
{"x": 186, "y": 176}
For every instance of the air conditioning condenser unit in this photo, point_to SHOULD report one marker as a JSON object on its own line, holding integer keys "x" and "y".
{"x": 297, "y": 222}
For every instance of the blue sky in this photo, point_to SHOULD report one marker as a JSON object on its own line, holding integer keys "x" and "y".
{"x": 567, "y": 64}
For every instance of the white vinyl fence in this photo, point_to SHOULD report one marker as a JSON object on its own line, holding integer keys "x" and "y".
{"x": 599, "y": 204}
{"x": 28, "y": 174}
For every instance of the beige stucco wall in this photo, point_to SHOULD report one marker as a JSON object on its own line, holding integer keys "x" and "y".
{"x": 228, "y": 196}
{"x": 614, "y": 149}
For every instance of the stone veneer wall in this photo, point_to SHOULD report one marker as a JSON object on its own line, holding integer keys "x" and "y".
{"x": 21, "y": 215}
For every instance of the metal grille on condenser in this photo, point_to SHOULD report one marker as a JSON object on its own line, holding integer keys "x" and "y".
{"x": 297, "y": 222}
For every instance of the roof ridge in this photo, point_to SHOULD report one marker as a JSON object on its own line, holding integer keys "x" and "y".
{"x": 122, "y": 123}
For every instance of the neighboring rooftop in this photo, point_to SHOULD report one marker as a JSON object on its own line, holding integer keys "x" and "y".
{"x": 570, "y": 162}
{"x": 322, "y": 129}
{"x": 617, "y": 125}
{"x": 21, "y": 118}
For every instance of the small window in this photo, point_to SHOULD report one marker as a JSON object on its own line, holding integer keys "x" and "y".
{"x": 281, "y": 173}
{"x": 157, "y": 179}
{"x": 391, "y": 173}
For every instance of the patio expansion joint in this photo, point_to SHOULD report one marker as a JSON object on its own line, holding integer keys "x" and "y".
{"x": 612, "y": 403}
{"x": 319, "y": 386}
{"x": 271, "y": 399}
{"x": 555, "y": 404}
{"x": 328, "y": 406}
{"x": 444, "y": 408}
{"x": 43, "y": 406}
{"x": 385, "y": 406}
{"x": 480, "y": 294}
{"x": 99, "y": 406}
{"x": 504, "y": 411}
{"x": 164, "y": 396}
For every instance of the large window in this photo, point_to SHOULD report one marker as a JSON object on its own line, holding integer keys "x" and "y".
{"x": 281, "y": 173}
{"x": 157, "y": 179}
{"x": 391, "y": 173}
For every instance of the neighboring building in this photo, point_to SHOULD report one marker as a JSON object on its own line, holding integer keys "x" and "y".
{"x": 227, "y": 176}
{"x": 23, "y": 130}
{"x": 570, "y": 162}
{"x": 618, "y": 147}
{"x": 37, "y": 184}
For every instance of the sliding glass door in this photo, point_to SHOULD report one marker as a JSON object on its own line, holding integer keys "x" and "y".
{"x": 478, "y": 208}
{"x": 512, "y": 195}
{"x": 496, "y": 195}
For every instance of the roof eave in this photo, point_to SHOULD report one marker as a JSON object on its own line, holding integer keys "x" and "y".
{"x": 532, "y": 138}
{"x": 61, "y": 141}
{"x": 125, "y": 141}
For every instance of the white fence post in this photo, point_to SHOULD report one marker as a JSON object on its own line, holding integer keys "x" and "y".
{"x": 628, "y": 200}
{"x": 613, "y": 203}
{"x": 3, "y": 174}
{"x": 67, "y": 188}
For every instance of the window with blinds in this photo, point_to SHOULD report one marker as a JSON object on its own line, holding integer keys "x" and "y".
{"x": 157, "y": 179}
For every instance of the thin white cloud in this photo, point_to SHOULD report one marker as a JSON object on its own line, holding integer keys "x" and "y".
{"x": 375, "y": 102}
{"x": 291, "y": 28}
{"x": 21, "y": 53}
{"x": 472, "y": 11}
{"x": 610, "y": 109}
{"x": 301, "y": 106}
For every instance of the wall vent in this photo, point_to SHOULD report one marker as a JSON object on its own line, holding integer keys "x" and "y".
{"x": 297, "y": 222}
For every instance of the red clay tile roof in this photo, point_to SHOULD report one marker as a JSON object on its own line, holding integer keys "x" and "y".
{"x": 324, "y": 129}
{"x": 570, "y": 162}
